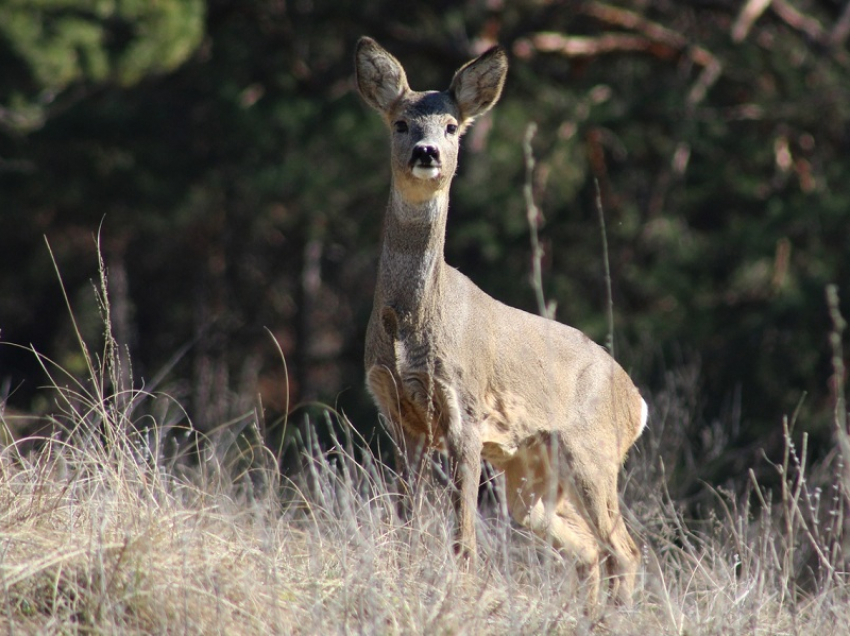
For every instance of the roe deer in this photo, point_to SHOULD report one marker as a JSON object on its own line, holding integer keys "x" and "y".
{"x": 450, "y": 365}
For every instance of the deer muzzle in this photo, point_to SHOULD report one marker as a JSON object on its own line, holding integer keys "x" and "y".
{"x": 425, "y": 161}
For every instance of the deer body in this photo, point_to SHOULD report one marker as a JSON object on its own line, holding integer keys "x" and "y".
{"x": 447, "y": 363}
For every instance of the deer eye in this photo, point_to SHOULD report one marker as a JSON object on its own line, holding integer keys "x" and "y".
{"x": 451, "y": 129}
{"x": 400, "y": 126}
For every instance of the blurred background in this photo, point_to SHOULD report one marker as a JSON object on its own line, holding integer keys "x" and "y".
{"x": 217, "y": 153}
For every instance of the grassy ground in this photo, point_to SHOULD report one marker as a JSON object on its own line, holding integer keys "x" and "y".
{"x": 107, "y": 533}
{"x": 123, "y": 524}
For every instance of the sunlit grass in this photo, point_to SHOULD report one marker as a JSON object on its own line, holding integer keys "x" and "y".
{"x": 126, "y": 520}
{"x": 99, "y": 533}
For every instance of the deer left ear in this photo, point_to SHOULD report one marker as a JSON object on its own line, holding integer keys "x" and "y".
{"x": 477, "y": 85}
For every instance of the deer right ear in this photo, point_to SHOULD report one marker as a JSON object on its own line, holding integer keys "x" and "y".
{"x": 380, "y": 77}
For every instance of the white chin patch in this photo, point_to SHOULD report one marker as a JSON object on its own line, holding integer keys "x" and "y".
{"x": 423, "y": 172}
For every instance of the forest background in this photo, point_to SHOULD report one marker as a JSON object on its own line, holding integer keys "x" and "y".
{"x": 217, "y": 154}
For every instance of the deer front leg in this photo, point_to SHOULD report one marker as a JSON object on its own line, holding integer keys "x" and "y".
{"x": 465, "y": 461}
{"x": 464, "y": 449}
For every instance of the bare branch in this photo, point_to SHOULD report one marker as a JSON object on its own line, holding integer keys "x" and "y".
{"x": 650, "y": 38}
{"x": 711, "y": 69}
{"x": 623, "y": 18}
{"x": 799, "y": 21}
{"x": 583, "y": 46}
{"x": 750, "y": 12}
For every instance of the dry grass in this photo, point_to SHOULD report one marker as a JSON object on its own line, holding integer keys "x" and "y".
{"x": 113, "y": 526}
{"x": 103, "y": 534}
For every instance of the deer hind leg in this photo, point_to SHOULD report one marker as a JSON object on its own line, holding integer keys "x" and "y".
{"x": 591, "y": 493}
{"x": 622, "y": 565}
{"x": 539, "y": 504}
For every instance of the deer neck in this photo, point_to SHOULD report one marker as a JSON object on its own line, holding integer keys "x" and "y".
{"x": 410, "y": 272}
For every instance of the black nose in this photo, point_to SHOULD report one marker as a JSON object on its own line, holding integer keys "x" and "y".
{"x": 424, "y": 155}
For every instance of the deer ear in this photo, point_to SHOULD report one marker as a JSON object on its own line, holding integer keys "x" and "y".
{"x": 380, "y": 77}
{"x": 477, "y": 85}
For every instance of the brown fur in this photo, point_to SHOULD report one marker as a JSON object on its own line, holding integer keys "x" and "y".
{"x": 448, "y": 364}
